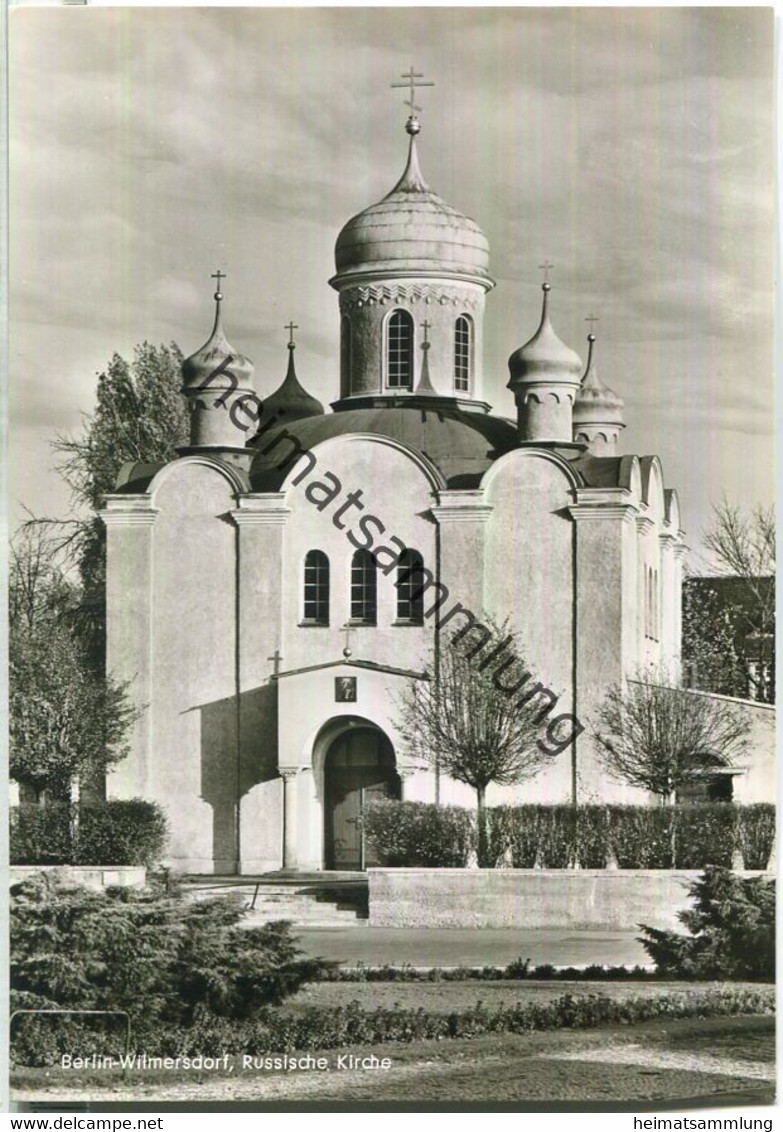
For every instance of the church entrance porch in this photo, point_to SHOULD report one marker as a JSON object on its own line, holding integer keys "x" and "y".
{"x": 359, "y": 767}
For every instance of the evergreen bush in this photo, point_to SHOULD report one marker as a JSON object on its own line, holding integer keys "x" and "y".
{"x": 731, "y": 926}
{"x": 166, "y": 961}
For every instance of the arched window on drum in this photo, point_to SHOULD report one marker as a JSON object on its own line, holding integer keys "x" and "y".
{"x": 410, "y": 588}
{"x": 463, "y": 350}
{"x": 316, "y": 588}
{"x": 399, "y": 350}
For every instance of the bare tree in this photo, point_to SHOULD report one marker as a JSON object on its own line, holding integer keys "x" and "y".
{"x": 743, "y": 546}
{"x": 657, "y": 737}
{"x": 464, "y": 721}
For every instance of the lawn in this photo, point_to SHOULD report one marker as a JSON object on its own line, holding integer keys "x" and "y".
{"x": 444, "y": 997}
{"x": 719, "y": 1060}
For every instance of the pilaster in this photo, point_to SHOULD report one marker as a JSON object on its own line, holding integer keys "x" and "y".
{"x": 461, "y": 517}
{"x": 129, "y": 521}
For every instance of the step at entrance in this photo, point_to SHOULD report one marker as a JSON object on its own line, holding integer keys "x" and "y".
{"x": 316, "y": 904}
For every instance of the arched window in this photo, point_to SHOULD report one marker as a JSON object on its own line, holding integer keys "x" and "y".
{"x": 399, "y": 351}
{"x": 462, "y": 346}
{"x": 316, "y": 588}
{"x": 410, "y": 587}
{"x": 364, "y": 588}
{"x": 345, "y": 355}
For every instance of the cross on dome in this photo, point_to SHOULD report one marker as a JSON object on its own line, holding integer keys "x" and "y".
{"x": 411, "y": 77}
{"x": 291, "y": 327}
{"x": 218, "y": 275}
{"x": 546, "y": 267}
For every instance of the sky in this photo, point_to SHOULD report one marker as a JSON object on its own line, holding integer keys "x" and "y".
{"x": 631, "y": 147}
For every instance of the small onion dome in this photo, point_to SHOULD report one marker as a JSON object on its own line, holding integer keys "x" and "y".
{"x": 216, "y": 352}
{"x": 596, "y": 403}
{"x": 291, "y": 399}
{"x": 412, "y": 228}
{"x": 544, "y": 358}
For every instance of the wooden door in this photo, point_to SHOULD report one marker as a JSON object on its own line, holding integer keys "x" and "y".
{"x": 359, "y": 767}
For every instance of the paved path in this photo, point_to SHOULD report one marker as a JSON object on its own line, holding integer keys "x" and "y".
{"x": 472, "y": 947}
{"x": 669, "y": 1059}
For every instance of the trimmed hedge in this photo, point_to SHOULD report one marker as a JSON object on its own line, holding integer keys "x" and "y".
{"x": 640, "y": 837}
{"x": 116, "y": 832}
{"x": 418, "y": 834}
{"x": 593, "y": 836}
{"x": 757, "y": 834}
{"x": 119, "y": 832}
{"x": 41, "y": 835}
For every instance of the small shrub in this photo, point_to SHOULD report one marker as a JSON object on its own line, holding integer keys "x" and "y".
{"x": 757, "y": 834}
{"x": 420, "y": 834}
{"x": 731, "y": 926}
{"x": 41, "y": 835}
{"x": 705, "y": 835}
{"x": 120, "y": 832}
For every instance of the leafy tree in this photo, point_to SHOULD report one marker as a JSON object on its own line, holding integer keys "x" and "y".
{"x": 731, "y": 926}
{"x": 65, "y": 719}
{"x": 743, "y": 546}
{"x": 657, "y": 737}
{"x": 140, "y": 416}
{"x": 464, "y": 721}
{"x": 709, "y": 653}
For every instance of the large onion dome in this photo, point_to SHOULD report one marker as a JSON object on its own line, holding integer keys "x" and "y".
{"x": 411, "y": 229}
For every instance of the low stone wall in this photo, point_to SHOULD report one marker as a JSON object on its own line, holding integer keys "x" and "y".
{"x": 596, "y": 899}
{"x": 91, "y": 876}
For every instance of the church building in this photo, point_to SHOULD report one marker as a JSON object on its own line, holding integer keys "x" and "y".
{"x": 273, "y": 590}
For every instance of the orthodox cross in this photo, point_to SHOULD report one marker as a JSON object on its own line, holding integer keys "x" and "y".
{"x": 218, "y": 275}
{"x": 347, "y": 630}
{"x": 291, "y": 327}
{"x": 546, "y": 267}
{"x": 276, "y": 657}
{"x": 591, "y": 318}
{"x": 425, "y": 327}
{"x": 412, "y": 85}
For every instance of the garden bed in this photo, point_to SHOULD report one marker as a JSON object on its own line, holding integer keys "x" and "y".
{"x": 446, "y": 997}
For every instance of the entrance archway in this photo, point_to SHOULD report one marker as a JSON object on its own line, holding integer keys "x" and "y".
{"x": 359, "y": 767}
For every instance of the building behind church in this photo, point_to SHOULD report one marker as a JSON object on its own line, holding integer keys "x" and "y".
{"x": 271, "y": 591}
